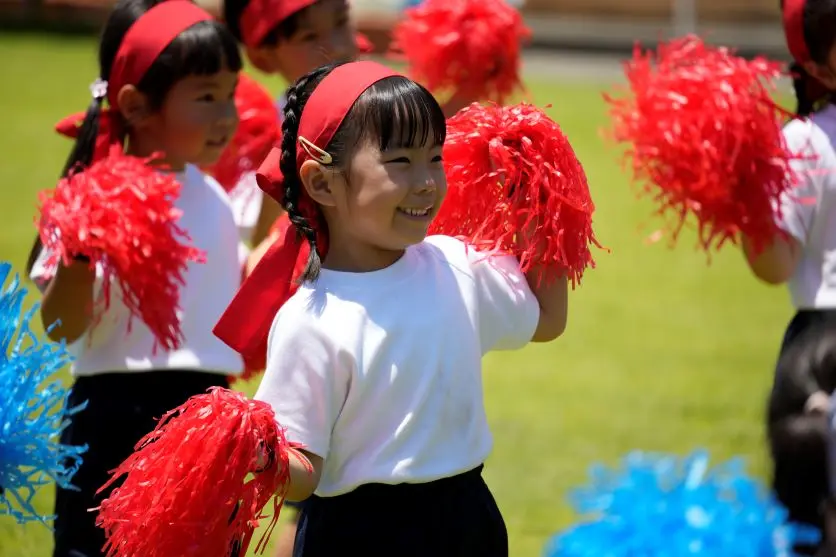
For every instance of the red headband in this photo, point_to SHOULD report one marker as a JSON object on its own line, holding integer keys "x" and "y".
{"x": 262, "y": 16}
{"x": 246, "y": 323}
{"x": 143, "y": 43}
{"x": 793, "y": 17}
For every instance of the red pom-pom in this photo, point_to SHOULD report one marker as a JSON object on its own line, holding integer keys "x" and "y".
{"x": 704, "y": 137}
{"x": 259, "y": 128}
{"x": 510, "y": 169}
{"x": 470, "y": 47}
{"x": 120, "y": 213}
{"x": 197, "y": 484}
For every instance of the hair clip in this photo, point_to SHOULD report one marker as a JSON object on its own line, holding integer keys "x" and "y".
{"x": 323, "y": 157}
{"x": 98, "y": 88}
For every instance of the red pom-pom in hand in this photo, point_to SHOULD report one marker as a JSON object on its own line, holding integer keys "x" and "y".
{"x": 197, "y": 484}
{"x": 470, "y": 47}
{"x": 704, "y": 135}
{"x": 120, "y": 213}
{"x": 511, "y": 169}
{"x": 259, "y": 128}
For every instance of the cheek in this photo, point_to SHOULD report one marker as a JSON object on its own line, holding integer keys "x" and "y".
{"x": 189, "y": 124}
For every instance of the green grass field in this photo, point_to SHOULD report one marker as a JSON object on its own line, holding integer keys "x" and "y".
{"x": 663, "y": 351}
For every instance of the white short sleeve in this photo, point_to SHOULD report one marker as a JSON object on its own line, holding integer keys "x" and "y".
{"x": 306, "y": 380}
{"x": 508, "y": 310}
{"x": 40, "y": 274}
{"x": 798, "y": 206}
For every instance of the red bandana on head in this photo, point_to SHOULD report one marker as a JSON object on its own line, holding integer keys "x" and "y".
{"x": 142, "y": 44}
{"x": 793, "y": 18}
{"x": 246, "y": 323}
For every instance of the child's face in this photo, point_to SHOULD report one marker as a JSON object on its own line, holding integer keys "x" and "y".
{"x": 324, "y": 35}
{"x": 389, "y": 199}
{"x": 198, "y": 119}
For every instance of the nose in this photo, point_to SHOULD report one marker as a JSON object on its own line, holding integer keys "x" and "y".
{"x": 228, "y": 114}
{"x": 340, "y": 46}
{"x": 426, "y": 184}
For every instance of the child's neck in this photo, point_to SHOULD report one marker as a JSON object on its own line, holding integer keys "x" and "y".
{"x": 138, "y": 148}
{"x": 358, "y": 258}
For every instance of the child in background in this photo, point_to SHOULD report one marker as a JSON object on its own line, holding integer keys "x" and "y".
{"x": 168, "y": 72}
{"x": 287, "y": 38}
{"x": 386, "y": 397}
{"x": 799, "y": 411}
{"x": 803, "y": 257}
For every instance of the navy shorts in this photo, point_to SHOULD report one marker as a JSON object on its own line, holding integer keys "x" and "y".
{"x": 121, "y": 409}
{"x": 452, "y": 517}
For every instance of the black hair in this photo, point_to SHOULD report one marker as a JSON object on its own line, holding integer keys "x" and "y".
{"x": 394, "y": 112}
{"x": 205, "y": 48}
{"x": 233, "y": 10}
{"x": 798, "y": 440}
{"x": 819, "y": 22}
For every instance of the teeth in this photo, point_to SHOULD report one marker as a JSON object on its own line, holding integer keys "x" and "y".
{"x": 416, "y": 212}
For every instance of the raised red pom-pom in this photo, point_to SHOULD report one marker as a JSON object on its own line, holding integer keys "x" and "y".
{"x": 120, "y": 213}
{"x": 197, "y": 484}
{"x": 511, "y": 170}
{"x": 703, "y": 134}
{"x": 259, "y": 128}
{"x": 470, "y": 47}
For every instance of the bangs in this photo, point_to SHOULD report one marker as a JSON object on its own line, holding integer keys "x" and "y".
{"x": 402, "y": 114}
{"x": 205, "y": 48}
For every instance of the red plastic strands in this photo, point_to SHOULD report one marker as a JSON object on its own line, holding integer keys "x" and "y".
{"x": 471, "y": 47}
{"x": 120, "y": 213}
{"x": 258, "y": 130}
{"x": 704, "y": 137}
{"x": 511, "y": 168}
{"x": 194, "y": 487}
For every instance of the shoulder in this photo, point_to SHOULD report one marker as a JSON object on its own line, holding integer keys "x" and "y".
{"x": 448, "y": 250}
{"x": 312, "y": 315}
{"x": 811, "y": 135}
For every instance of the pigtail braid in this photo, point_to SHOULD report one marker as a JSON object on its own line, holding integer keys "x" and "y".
{"x": 297, "y": 96}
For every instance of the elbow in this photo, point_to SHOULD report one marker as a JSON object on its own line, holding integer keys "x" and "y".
{"x": 772, "y": 275}
{"x": 58, "y": 329}
{"x": 550, "y": 328}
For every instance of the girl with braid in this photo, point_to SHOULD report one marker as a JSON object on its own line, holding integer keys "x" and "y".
{"x": 374, "y": 333}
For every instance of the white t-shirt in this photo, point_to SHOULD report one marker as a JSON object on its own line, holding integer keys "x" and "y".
{"x": 247, "y": 197}
{"x": 380, "y": 373}
{"x": 809, "y": 212}
{"x": 209, "y": 287}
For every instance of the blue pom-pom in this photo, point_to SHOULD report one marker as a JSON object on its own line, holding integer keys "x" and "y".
{"x": 665, "y": 506}
{"x": 32, "y": 409}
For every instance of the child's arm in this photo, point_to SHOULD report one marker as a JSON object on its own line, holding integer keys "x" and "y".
{"x": 777, "y": 262}
{"x": 270, "y": 211}
{"x": 552, "y": 292}
{"x": 67, "y": 301}
{"x": 305, "y": 472}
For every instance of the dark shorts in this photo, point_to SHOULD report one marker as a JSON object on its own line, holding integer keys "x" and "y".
{"x": 121, "y": 409}
{"x": 452, "y": 517}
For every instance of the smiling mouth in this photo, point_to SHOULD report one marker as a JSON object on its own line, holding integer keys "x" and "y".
{"x": 218, "y": 143}
{"x": 415, "y": 212}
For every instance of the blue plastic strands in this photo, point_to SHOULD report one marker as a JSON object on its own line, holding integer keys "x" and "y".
{"x": 32, "y": 409}
{"x": 666, "y": 506}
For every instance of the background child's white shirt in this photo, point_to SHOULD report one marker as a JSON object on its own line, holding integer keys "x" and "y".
{"x": 380, "y": 373}
{"x": 209, "y": 287}
{"x": 247, "y": 197}
{"x": 809, "y": 212}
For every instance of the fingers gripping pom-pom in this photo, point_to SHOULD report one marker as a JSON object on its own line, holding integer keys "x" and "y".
{"x": 512, "y": 171}
{"x": 703, "y": 134}
{"x": 204, "y": 463}
{"x": 471, "y": 47}
{"x": 664, "y": 506}
{"x": 258, "y": 130}
{"x": 33, "y": 409}
{"x": 120, "y": 214}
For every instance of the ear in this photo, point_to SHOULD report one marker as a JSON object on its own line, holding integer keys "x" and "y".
{"x": 262, "y": 58}
{"x": 133, "y": 106}
{"x": 823, "y": 73}
{"x": 319, "y": 182}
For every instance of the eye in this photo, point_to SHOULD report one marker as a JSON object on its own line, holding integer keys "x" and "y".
{"x": 308, "y": 37}
{"x": 342, "y": 21}
{"x": 399, "y": 160}
{"x": 206, "y": 98}
{"x": 437, "y": 158}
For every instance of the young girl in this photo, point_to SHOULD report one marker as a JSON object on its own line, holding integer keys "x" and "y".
{"x": 374, "y": 364}
{"x": 287, "y": 38}
{"x": 803, "y": 257}
{"x": 168, "y": 72}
